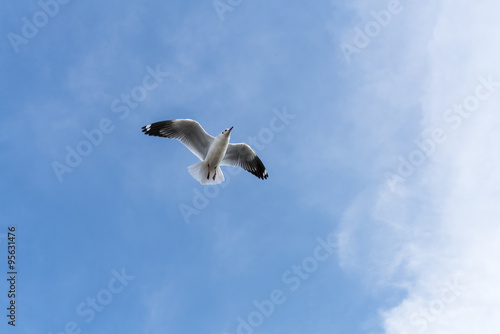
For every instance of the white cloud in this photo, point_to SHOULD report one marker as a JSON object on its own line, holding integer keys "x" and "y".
{"x": 437, "y": 234}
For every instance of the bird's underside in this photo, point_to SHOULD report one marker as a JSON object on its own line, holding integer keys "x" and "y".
{"x": 212, "y": 151}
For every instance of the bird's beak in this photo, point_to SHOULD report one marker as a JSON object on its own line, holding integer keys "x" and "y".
{"x": 230, "y": 129}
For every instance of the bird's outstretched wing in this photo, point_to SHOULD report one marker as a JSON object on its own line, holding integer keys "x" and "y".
{"x": 242, "y": 155}
{"x": 187, "y": 131}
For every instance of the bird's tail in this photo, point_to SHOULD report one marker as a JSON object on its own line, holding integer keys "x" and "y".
{"x": 200, "y": 172}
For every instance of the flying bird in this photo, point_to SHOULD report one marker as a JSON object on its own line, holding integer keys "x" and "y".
{"x": 212, "y": 151}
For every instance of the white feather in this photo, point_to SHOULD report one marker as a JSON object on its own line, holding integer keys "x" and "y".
{"x": 200, "y": 171}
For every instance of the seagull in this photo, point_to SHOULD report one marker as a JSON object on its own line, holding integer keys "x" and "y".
{"x": 212, "y": 151}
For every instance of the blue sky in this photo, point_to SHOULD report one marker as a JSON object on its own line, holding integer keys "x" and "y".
{"x": 369, "y": 155}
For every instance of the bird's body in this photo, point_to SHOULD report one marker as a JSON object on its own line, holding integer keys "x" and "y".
{"x": 218, "y": 149}
{"x": 212, "y": 151}
{"x": 209, "y": 167}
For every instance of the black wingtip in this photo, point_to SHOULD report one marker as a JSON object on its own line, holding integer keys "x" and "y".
{"x": 148, "y": 129}
{"x": 159, "y": 129}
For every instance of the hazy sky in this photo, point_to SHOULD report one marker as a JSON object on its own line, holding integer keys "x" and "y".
{"x": 378, "y": 122}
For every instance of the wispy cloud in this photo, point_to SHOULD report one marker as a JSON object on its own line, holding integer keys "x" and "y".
{"x": 435, "y": 237}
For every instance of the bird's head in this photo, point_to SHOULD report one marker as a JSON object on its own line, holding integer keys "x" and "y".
{"x": 227, "y": 132}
